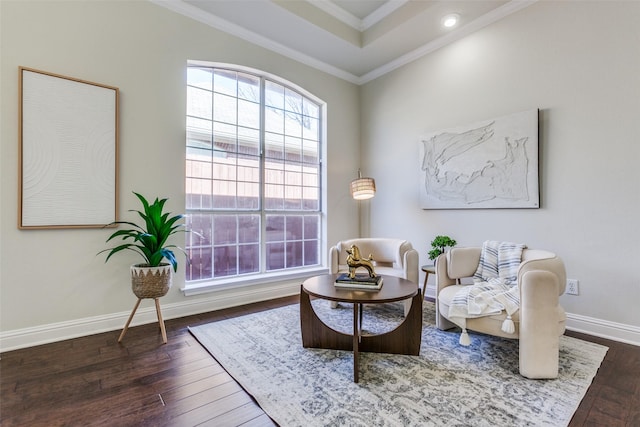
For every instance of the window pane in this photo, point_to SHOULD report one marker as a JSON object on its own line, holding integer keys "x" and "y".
{"x": 310, "y": 152}
{"x": 224, "y": 81}
{"x": 293, "y": 124}
{"x": 311, "y": 252}
{"x": 293, "y": 101}
{"x": 225, "y": 108}
{"x": 311, "y": 227}
{"x": 275, "y": 256}
{"x": 198, "y": 132}
{"x": 310, "y": 108}
{"x": 200, "y": 225}
{"x": 198, "y": 193}
{"x": 294, "y": 254}
{"x": 274, "y": 95}
{"x": 200, "y": 77}
{"x": 275, "y": 228}
{"x": 248, "y": 87}
{"x": 248, "y": 114}
{"x": 198, "y": 169}
{"x": 225, "y": 137}
{"x": 225, "y": 229}
{"x": 274, "y": 146}
{"x": 274, "y": 197}
{"x": 310, "y": 177}
{"x": 199, "y": 266}
{"x": 248, "y": 182}
{"x": 248, "y": 141}
{"x": 249, "y": 229}
{"x": 310, "y": 129}
{"x": 249, "y": 259}
{"x": 199, "y": 104}
{"x": 274, "y": 120}
{"x": 311, "y": 199}
{"x": 199, "y": 154}
{"x": 294, "y": 227}
{"x": 293, "y": 149}
{"x": 225, "y": 261}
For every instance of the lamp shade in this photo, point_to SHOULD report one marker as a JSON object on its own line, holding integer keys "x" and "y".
{"x": 363, "y": 188}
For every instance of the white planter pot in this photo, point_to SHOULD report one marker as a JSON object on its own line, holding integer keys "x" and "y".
{"x": 151, "y": 282}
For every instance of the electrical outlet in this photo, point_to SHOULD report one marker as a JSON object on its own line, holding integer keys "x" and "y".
{"x": 572, "y": 287}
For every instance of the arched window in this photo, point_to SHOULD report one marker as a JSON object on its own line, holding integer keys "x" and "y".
{"x": 253, "y": 175}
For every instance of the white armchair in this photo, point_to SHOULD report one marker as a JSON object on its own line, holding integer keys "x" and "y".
{"x": 394, "y": 257}
{"x": 538, "y": 323}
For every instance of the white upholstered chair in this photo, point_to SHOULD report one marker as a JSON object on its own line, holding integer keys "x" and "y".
{"x": 538, "y": 323}
{"x": 394, "y": 257}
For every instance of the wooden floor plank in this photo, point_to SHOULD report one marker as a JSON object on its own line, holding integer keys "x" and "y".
{"x": 261, "y": 421}
{"x": 235, "y": 417}
{"x": 187, "y": 390}
{"x": 213, "y": 410}
{"x": 95, "y": 380}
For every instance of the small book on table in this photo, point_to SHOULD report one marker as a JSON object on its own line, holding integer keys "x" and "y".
{"x": 360, "y": 282}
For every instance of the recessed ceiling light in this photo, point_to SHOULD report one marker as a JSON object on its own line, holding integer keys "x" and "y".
{"x": 450, "y": 20}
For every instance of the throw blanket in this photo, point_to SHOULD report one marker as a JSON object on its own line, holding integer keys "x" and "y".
{"x": 494, "y": 289}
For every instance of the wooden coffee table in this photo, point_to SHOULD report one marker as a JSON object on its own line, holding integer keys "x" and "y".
{"x": 404, "y": 339}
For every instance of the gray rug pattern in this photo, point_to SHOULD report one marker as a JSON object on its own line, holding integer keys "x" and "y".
{"x": 447, "y": 385}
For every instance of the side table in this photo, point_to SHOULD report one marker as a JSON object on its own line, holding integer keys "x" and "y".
{"x": 427, "y": 268}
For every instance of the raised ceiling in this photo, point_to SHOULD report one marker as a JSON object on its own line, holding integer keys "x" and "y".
{"x": 356, "y": 40}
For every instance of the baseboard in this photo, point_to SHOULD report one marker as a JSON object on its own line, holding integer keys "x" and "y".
{"x": 146, "y": 313}
{"x": 29, "y": 337}
{"x": 604, "y": 329}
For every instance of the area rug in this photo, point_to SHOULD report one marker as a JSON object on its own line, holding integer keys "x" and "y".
{"x": 447, "y": 385}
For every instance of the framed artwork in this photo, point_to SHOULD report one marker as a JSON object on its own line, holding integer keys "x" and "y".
{"x": 490, "y": 164}
{"x": 68, "y": 152}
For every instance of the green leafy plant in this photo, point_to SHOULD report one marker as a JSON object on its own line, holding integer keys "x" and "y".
{"x": 439, "y": 244}
{"x": 149, "y": 240}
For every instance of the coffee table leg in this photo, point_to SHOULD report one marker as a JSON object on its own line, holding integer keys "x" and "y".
{"x": 315, "y": 333}
{"x": 356, "y": 340}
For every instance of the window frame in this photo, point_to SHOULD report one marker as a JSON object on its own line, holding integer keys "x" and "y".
{"x": 263, "y": 277}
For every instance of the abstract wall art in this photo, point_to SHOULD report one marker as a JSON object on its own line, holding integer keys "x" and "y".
{"x": 68, "y": 152}
{"x": 489, "y": 164}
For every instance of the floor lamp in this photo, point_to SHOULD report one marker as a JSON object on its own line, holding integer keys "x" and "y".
{"x": 362, "y": 189}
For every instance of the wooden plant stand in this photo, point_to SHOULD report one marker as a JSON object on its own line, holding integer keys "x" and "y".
{"x": 160, "y": 320}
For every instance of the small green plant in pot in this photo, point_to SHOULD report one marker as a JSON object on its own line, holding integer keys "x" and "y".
{"x": 152, "y": 278}
{"x": 439, "y": 245}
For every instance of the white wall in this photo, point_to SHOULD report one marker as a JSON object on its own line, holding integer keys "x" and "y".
{"x": 51, "y": 282}
{"x": 579, "y": 63}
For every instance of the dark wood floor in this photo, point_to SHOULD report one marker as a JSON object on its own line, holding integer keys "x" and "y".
{"x": 96, "y": 381}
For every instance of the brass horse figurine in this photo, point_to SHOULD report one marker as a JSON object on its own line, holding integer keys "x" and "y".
{"x": 355, "y": 260}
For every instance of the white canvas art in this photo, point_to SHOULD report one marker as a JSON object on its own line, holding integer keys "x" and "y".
{"x": 490, "y": 164}
{"x": 68, "y": 152}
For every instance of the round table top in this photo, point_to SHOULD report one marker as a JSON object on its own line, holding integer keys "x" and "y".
{"x": 393, "y": 289}
{"x": 429, "y": 268}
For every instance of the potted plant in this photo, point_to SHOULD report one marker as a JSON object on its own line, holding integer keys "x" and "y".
{"x": 151, "y": 278}
{"x": 439, "y": 245}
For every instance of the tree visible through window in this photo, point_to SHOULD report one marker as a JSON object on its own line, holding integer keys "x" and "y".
{"x": 253, "y": 173}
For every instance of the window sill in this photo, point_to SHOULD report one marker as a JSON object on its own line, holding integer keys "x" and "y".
{"x": 219, "y": 285}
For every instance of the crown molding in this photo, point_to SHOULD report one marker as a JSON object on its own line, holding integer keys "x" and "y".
{"x": 338, "y": 13}
{"x": 211, "y": 20}
{"x": 473, "y": 26}
{"x": 353, "y": 21}
{"x": 382, "y": 12}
